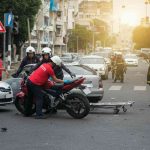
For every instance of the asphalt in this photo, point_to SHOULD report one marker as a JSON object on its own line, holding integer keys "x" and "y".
{"x": 100, "y": 130}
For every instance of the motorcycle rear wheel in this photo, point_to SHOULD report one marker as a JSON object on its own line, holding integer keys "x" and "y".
{"x": 78, "y": 105}
{"x": 20, "y": 105}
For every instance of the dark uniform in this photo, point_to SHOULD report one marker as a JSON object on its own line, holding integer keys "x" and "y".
{"x": 120, "y": 69}
{"x": 148, "y": 76}
{"x": 57, "y": 69}
{"x": 26, "y": 60}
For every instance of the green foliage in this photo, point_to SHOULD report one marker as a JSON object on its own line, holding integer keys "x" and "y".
{"x": 81, "y": 35}
{"x": 141, "y": 36}
{"x": 23, "y": 9}
{"x": 85, "y": 36}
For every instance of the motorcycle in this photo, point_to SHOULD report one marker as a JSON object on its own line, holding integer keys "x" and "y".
{"x": 59, "y": 96}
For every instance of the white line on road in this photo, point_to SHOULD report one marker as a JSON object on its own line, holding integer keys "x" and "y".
{"x": 115, "y": 88}
{"x": 139, "y": 88}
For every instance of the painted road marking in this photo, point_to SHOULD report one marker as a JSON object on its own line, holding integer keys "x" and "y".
{"x": 139, "y": 88}
{"x": 115, "y": 88}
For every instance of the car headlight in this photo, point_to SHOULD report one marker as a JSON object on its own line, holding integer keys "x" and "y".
{"x": 101, "y": 69}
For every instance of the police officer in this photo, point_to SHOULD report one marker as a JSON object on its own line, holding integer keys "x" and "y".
{"x": 46, "y": 55}
{"x": 148, "y": 75}
{"x": 30, "y": 58}
{"x": 120, "y": 68}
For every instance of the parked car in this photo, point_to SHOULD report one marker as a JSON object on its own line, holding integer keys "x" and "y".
{"x": 106, "y": 55}
{"x": 93, "y": 81}
{"x": 131, "y": 60}
{"x": 15, "y": 82}
{"x": 6, "y": 94}
{"x": 97, "y": 63}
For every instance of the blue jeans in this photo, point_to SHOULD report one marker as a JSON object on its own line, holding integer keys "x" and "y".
{"x": 35, "y": 92}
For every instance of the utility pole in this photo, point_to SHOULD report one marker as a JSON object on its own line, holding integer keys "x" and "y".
{"x": 9, "y": 42}
{"x": 77, "y": 44}
{"x": 28, "y": 22}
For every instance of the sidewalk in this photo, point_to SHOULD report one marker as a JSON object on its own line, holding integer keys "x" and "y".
{"x": 14, "y": 67}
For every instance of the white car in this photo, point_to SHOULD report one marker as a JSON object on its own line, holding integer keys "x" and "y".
{"x": 97, "y": 63}
{"x": 6, "y": 94}
{"x": 131, "y": 60}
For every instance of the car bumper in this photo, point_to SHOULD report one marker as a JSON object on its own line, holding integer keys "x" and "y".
{"x": 6, "y": 101}
{"x": 101, "y": 72}
{"x": 96, "y": 94}
{"x": 6, "y": 98}
{"x": 132, "y": 63}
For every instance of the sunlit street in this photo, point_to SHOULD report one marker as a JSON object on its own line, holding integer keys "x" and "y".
{"x": 74, "y": 74}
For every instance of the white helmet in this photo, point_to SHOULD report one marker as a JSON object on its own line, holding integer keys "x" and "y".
{"x": 56, "y": 60}
{"x": 46, "y": 50}
{"x": 30, "y": 49}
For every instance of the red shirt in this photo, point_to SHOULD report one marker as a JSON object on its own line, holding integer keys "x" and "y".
{"x": 1, "y": 67}
{"x": 41, "y": 75}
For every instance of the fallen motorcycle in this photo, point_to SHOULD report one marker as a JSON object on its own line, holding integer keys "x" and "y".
{"x": 59, "y": 96}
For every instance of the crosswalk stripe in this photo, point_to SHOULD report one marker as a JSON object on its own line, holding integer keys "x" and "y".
{"x": 115, "y": 88}
{"x": 139, "y": 88}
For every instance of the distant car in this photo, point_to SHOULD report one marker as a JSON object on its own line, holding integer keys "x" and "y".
{"x": 131, "y": 60}
{"x": 106, "y": 55}
{"x": 93, "y": 81}
{"x": 97, "y": 63}
{"x": 69, "y": 57}
{"x": 6, "y": 94}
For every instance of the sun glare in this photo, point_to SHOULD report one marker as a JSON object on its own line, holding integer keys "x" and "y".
{"x": 129, "y": 18}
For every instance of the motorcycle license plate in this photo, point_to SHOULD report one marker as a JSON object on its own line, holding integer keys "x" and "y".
{"x": 86, "y": 91}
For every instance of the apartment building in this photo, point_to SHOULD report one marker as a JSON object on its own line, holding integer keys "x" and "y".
{"x": 94, "y": 9}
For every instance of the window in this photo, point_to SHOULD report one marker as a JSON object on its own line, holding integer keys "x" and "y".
{"x": 46, "y": 21}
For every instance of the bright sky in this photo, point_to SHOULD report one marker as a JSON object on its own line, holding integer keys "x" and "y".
{"x": 132, "y": 13}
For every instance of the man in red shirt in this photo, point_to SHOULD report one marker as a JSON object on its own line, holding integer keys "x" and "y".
{"x": 35, "y": 84}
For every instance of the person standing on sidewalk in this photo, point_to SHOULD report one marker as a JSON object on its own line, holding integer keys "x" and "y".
{"x": 2, "y": 68}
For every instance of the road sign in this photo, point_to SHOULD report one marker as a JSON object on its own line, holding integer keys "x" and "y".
{"x": 2, "y": 28}
{"x": 8, "y": 20}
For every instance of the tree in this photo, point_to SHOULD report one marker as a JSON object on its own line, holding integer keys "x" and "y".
{"x": 141, "y": 36}
{"x": 79, "y": 38}
{"x": 23, "y": 9}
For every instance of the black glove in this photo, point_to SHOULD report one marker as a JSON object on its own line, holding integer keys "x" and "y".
{"x": 15, "y": 75}
{"x": 72, "y": 75}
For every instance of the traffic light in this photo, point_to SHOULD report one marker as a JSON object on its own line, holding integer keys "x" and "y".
{"x": 15, "y": 25}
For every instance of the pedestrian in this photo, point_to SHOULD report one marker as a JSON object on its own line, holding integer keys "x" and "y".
{"x": 2, "y": 68}
{"x": 36, "y": 82}
{"x": 30, "y": 58}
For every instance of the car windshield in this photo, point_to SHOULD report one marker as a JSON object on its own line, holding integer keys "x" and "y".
{"x": 81, "y": 70}
{"x": 92, "y": 61}
{"x": 66, "y": 55}
{"x": 131, "y": 56}
{"x": 101, "y": 54}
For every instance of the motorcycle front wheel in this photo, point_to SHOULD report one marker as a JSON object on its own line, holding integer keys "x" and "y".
{"x": 20, "y": 105}
{"x": 77, "y": 105}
